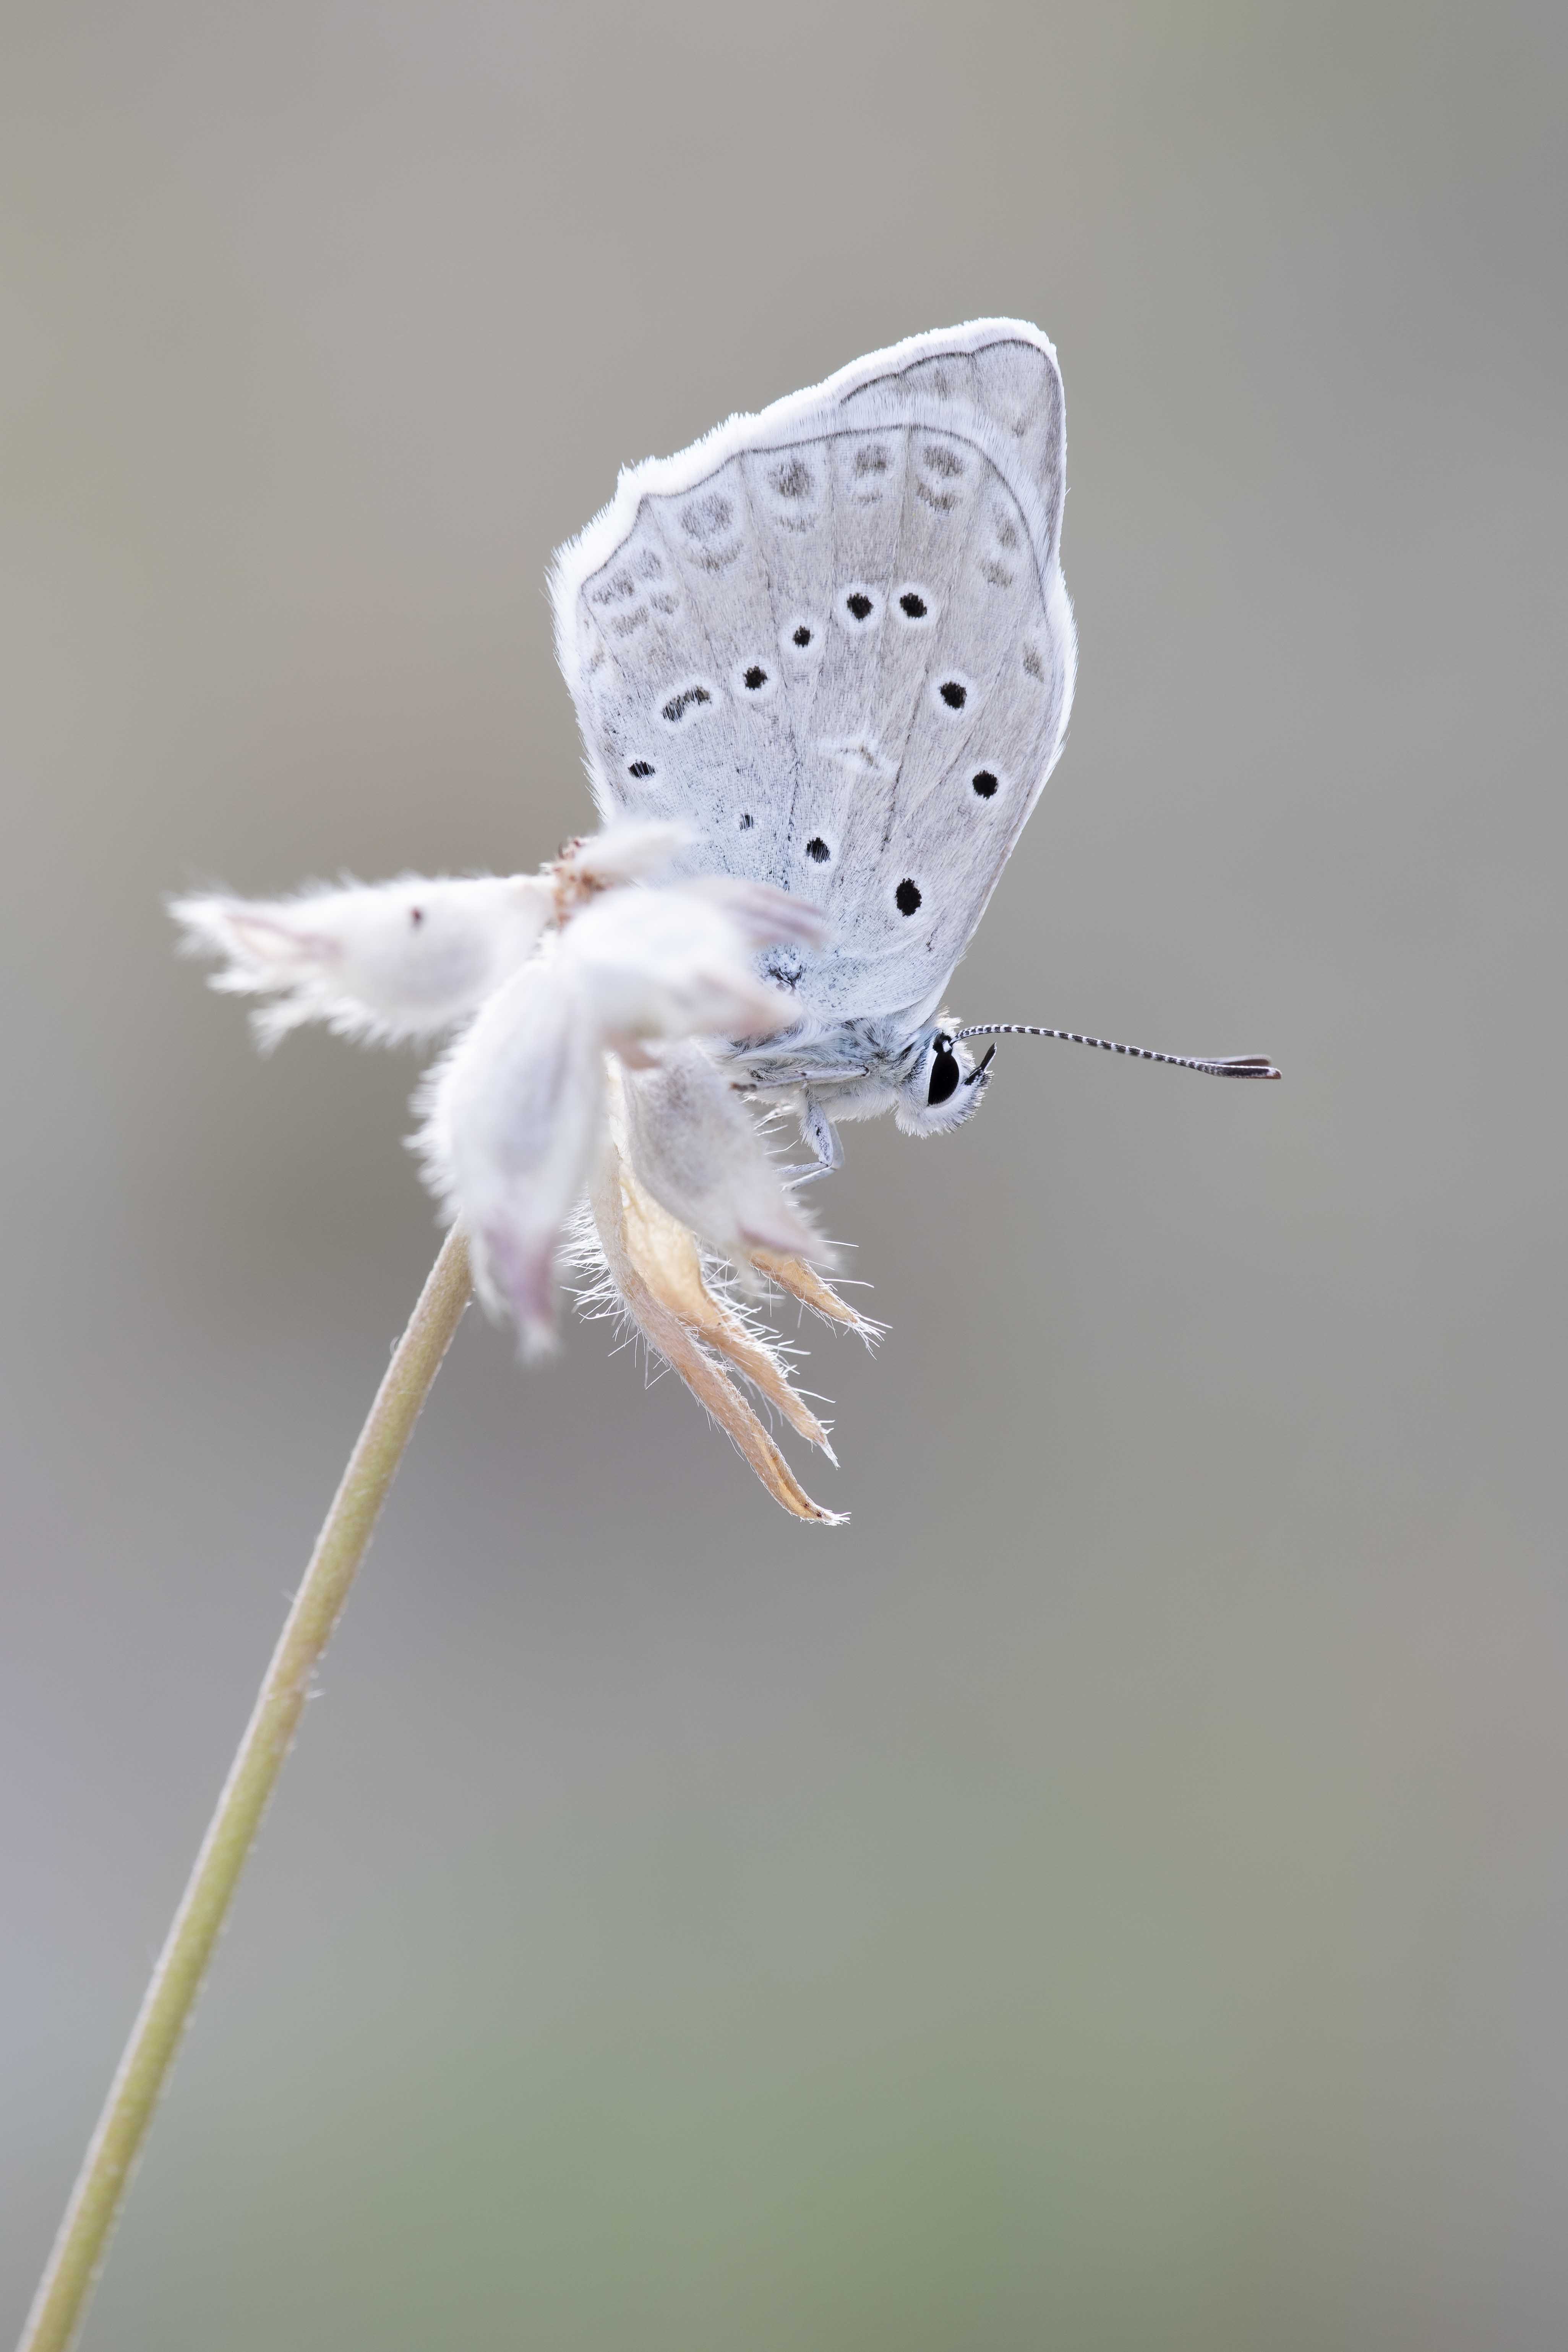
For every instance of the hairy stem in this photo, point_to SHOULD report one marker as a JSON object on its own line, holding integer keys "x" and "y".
{"x": 106, "y": 2169}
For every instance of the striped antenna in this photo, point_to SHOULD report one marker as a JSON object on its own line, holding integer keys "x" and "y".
{"x": 1214, "y": 1065}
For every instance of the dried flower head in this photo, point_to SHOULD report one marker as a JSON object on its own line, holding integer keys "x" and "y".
{"x": 575, "y": 1117}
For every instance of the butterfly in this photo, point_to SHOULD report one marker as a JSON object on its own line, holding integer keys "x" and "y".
{"x": 834, "y": 642}
{"x": 823, "y": 663}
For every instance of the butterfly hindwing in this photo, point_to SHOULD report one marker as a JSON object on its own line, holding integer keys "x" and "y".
{"x": 834, "y": 638}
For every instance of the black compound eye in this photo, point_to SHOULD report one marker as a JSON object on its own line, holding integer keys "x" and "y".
{"x": 944, "y": 1073}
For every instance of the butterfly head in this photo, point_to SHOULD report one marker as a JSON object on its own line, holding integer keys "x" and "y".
{"x": 942, "y": 1087}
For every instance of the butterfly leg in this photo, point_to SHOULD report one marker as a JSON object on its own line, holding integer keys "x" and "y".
{"x": 817, "y": 1131}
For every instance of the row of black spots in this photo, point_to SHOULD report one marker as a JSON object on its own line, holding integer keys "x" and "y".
{"x": 861, "y": 606}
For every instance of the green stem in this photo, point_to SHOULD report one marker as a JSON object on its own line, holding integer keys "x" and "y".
{"x": 106, "y": 2169}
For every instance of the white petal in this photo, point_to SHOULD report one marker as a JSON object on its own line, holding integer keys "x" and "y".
{"x": 697, "y": 1150}
{"x": 670, "y": 963}
{"x": 513, "y": 1119}
{"x": 391, "y": 960}
{"x": 515, "y": 1114}
{"x": 761, "y": 913}
{"x": 621, "y": 854}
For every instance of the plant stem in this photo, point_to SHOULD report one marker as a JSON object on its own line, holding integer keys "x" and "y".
{"x": 346, "y": 1532}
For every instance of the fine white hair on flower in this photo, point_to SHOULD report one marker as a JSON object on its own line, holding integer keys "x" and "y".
{"x": 622, "y": 853}
{"x": 698, "y": 1149}
{"x": 514, "y": 1116}
{"x": 379, "y": 963}
{"x": 672, "y": 963}
{"x": 576, "y": 1092}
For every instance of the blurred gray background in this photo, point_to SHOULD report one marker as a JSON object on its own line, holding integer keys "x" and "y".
{"x": 1115, "y": 1893}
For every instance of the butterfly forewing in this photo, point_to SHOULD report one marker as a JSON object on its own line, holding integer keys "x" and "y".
{"x": 833, "y": 640}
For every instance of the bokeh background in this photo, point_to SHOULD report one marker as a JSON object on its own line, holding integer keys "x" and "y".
{"x": 1115, "y": 1893}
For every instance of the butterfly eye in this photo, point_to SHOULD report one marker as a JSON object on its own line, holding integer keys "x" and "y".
{"x": 944, "y": 1072}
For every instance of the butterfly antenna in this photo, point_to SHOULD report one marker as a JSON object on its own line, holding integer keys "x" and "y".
{"x": 1214, "y": 1065}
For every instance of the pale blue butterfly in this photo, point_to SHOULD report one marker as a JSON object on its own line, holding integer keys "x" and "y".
{"x": 833, "y": 640}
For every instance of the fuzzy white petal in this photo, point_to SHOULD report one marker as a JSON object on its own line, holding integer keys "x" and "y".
{"x": 386, "y": 961}
{"x": 670, "y": 963}
{"x": 696, "y": 1148}
{"x": 622, "y": 854}
{"x": 513, "y": 1119}
{"x": 762, "y": 914}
